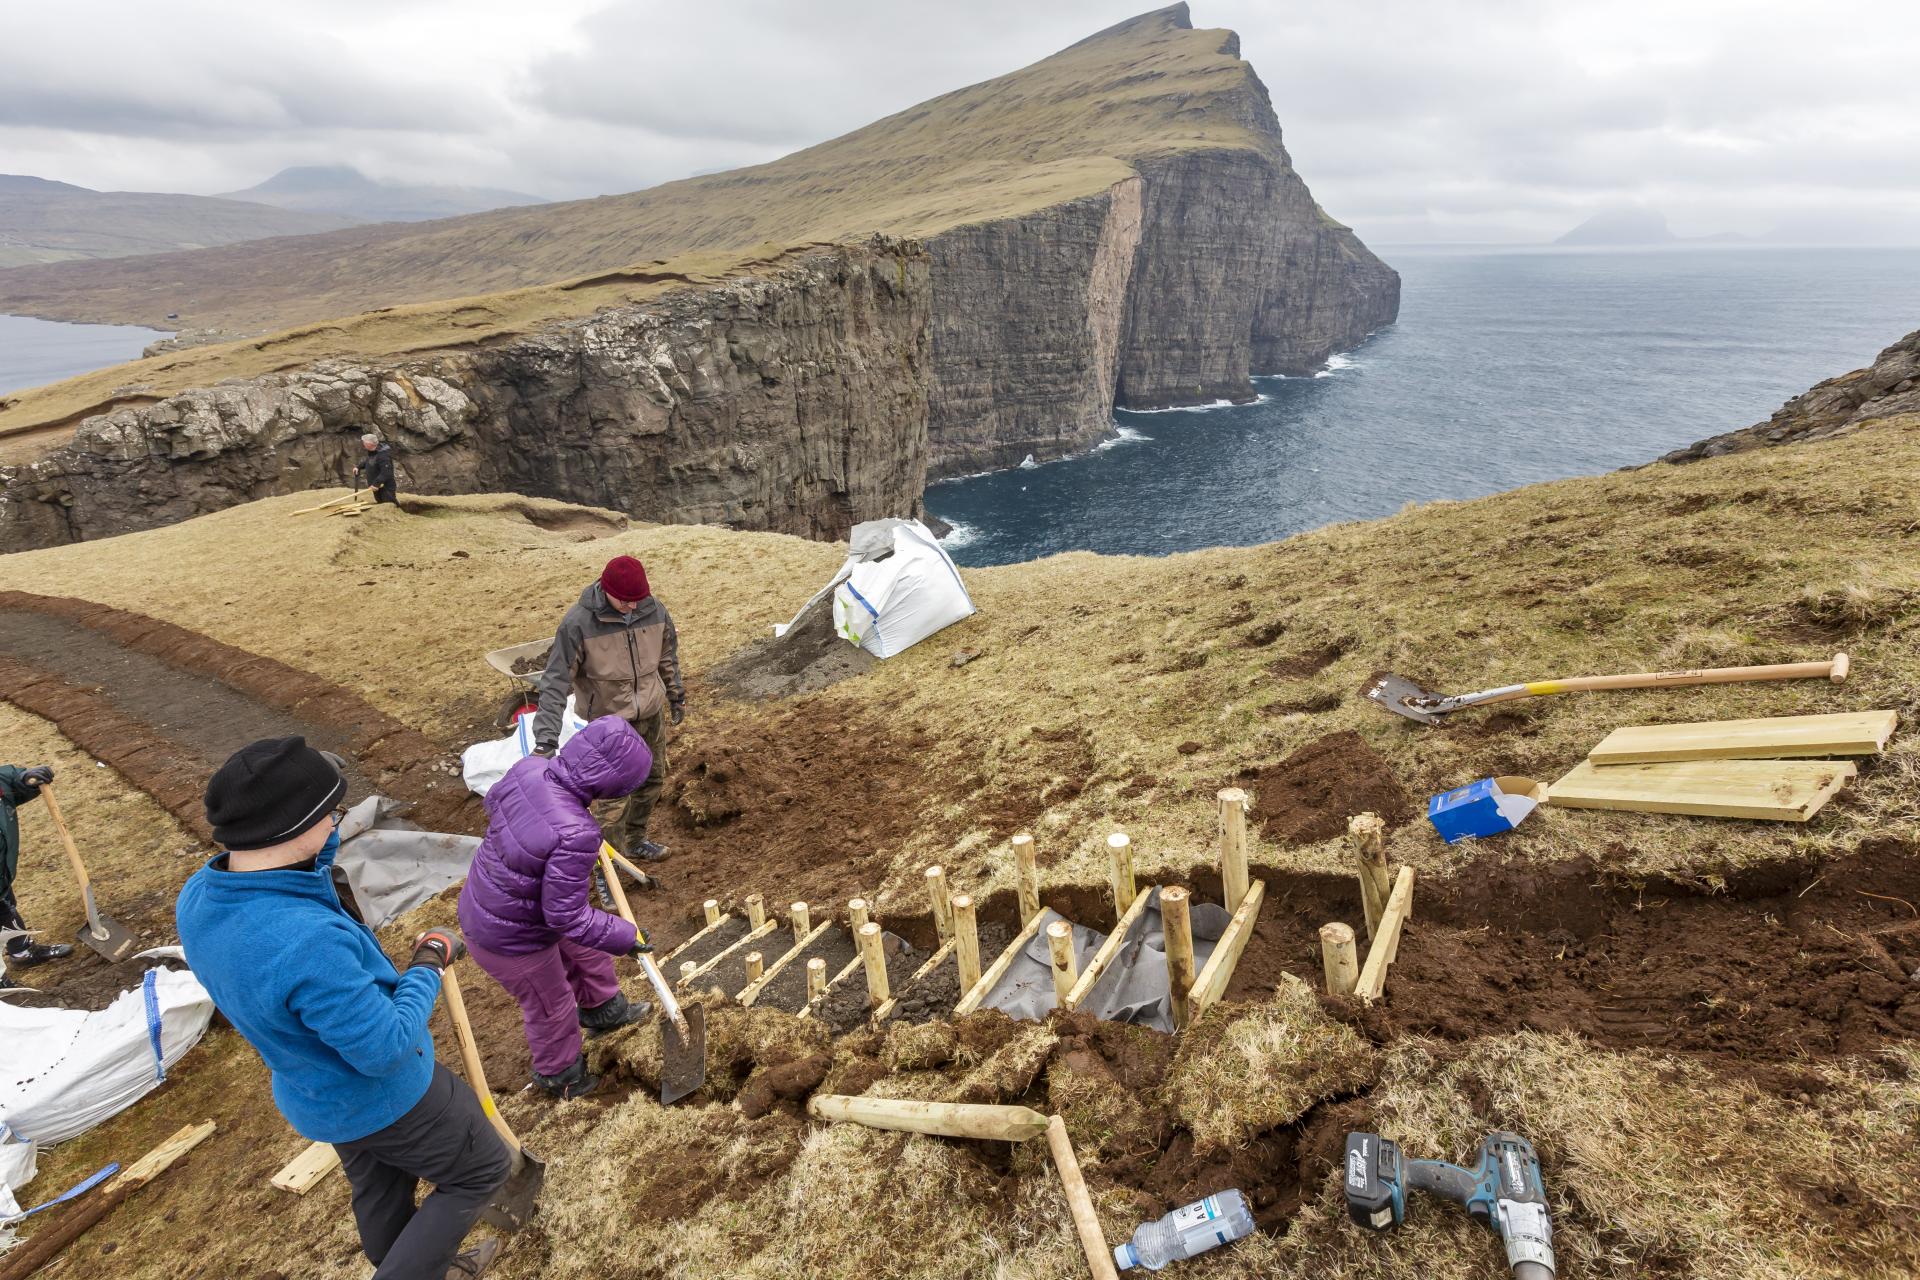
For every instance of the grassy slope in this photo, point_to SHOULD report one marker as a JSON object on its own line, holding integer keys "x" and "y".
{"x": 1659, "y": 1164}
{"x": 1063, "y": 128}
{"x": 58, "y": 225}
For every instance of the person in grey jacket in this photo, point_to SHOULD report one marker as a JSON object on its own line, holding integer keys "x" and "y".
{"x": 618, "y": 654}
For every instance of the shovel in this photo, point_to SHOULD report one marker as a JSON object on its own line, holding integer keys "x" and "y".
{"x": 683, "y": 1036}
{"x": 1403, "y": 697}
{"x": 512, "y": 1205}
{"x": 101, "y": 932}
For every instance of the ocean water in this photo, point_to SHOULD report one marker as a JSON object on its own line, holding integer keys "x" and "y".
{"x": 1504, "y": 368}
{"x": 36, "y": 351}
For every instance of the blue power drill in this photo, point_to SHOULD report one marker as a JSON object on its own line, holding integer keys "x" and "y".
{"x": 1503, "y": 1192}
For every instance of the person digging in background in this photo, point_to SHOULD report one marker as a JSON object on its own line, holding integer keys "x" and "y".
{"x": 343, "y": 1032}
{"x": 526, "y": 911}
{"x": 618, "y": 654}
{"x": 378, "y": 468}
{"x": 17, "y": 786}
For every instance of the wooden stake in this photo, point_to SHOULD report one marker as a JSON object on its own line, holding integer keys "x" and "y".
{"x": 1066, "y": 971}
{"x": 756, "y": 967}
{"x": 998, "y": 969}
{"x": 1177, "y": 928}
{"x": 802, "y": 922}
{"x": 941, "y": 896}
{"x": 1086, "y": 1222}
{"x": 687, "y": 969}
{"x": 1366, "y": 835}
{"x": 1233, "y": 846}
{"x": 1386, "y": 943}
{"x": 856, "y": 913}
{"x": 739, "y": 946}
{"x": 751, "y": 992}
{"x": 1027, "y": 874}
{"x": 712, "y": 909}
{"x": 947, "y": 1119}
{"x": 756, "y": 911}
{"x": 966, "y": 933}
{"x": 876, "y": 963}
{"x": 1339, "y": 958}
{"x": 304, "y": 1172}
{"x": 934, "y": 961}
{"x": 816, "y": 979}
{"x": 1120, "y": 872}
{"x": 45, "y": 1245}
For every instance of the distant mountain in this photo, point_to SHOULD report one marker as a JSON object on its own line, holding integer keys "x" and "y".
{"x": 342, "y": 189}
{"x": 46, "y": 221}
{"x": 1620, "y": 227}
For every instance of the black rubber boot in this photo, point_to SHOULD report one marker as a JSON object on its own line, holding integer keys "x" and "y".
{"x": 614, "y": 1014}
{"x": 574, "y": 1082}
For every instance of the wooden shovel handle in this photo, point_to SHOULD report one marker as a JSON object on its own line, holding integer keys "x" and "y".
{"x": 470, "y": 1056}
{"x": 1835, "y": 669}
{"x": 668, "y": 1005}
{"x": 66, "y": 837}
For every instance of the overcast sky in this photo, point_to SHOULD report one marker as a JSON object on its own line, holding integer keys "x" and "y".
{"x": 1413, "y": 120}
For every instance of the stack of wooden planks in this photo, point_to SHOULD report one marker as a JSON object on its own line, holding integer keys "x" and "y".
{"x": 1779, "y": 768}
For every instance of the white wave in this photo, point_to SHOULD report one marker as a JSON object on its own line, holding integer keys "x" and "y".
{"x": 1186, "y": 408}
{"x": 1028, "y": 464}
{"x": 960, "y": 534}
{"x": 1121, "y": 435}
{"x": 1335, "y": 363}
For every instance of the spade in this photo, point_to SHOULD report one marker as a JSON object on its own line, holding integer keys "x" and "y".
{"x": 101, "y": 932}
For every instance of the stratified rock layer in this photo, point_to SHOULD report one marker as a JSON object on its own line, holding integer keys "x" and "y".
{"x": 794, "y": 402}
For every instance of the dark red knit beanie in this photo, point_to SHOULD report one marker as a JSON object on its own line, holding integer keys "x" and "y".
{"x": 625, "y": 578}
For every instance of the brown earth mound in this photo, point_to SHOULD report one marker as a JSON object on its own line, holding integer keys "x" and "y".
{"x": 808, "y": 658}
{"x": 1310, "y": 795}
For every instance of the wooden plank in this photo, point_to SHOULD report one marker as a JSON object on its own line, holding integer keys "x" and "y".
{"x": 1108, "y": 950}
{"x": 1386, "y": 943}
{"x": 998, "y": 969}
{"x": 1780, "y": 790}
{"x": 744, "y": 943}
{"x": 752, "y": 991}
{"x": 852, "y": 967}
{"x": 695, "y": 938}
{"x": 305, "y": 1170}
{"x": 885, "y": 1010}
{"x": 1218, "y": 971}
{"x": 1851, "y": 733}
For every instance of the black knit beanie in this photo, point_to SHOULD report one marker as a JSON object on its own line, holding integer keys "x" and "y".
{"x": 272, "y": 790}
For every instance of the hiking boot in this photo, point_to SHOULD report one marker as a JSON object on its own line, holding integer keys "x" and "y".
{"x": 613, "y": 1014}
{"x": 40, "y": 953}
{"x": 647, "y": 851}
{"x": 574, "y": 1082}
{"x": 472, "y": 1262}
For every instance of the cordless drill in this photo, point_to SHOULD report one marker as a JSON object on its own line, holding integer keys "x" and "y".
{"x": 1503, "y": 1192}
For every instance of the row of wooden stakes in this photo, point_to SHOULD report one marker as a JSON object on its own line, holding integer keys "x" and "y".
{"x": 957, "y": 927}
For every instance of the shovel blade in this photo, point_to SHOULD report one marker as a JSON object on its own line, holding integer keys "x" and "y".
{"x": 114, "y": 941}
{"x": 512, "y": 1205}
{"x": 683, "y": 1062}
{"x": 1403, "y": 697}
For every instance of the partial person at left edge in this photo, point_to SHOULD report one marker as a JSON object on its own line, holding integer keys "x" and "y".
{"x": 18, "y": 785}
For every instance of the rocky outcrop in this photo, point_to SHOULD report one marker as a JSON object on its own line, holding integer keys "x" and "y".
{"x": 1889, "y": 387}
{"x": 794, "y": 402}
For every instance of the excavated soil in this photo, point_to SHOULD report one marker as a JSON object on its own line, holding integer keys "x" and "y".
{"x": 788, "y": 990}
{"x": 935, "y": 995}
{"x": 731, "y": 930}
{"x": 809, "y": 657}
{"x": 846, "y": 1007}
{"x": 1309, "y": 795}
{"x": 534, "y": 665}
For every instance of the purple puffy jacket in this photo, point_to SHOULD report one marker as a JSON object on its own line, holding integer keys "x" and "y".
{"x": 529, "y": 883}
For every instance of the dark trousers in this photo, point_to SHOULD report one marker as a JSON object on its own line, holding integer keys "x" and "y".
{"x": 385, "y": 493}
{"x": 10, "y": 919}
{"x": 631, "y": 828}
{"x": 446, "y": 1140}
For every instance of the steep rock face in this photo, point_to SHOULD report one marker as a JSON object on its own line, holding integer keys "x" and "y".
{"x": 1027, "y": 321}
{"x": 1889, "y": 387}
{"x": 794, "y": 402}
{"x": 1325, "y": 293}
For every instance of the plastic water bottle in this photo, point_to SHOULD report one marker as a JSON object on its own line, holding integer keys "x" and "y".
{"x": 1203, "y": 1225}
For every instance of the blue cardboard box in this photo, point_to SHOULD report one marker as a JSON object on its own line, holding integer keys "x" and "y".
{"x": 1484, "y": 808}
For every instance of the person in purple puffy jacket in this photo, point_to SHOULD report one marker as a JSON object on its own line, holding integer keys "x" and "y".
{"x": 527, "y": 912}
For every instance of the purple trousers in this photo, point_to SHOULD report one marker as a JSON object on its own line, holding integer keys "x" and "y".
{"x": 552, "y": 985}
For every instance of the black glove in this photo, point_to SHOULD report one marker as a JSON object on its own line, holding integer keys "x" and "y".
{"x": 676, "y": 713}
{"x": 38, "y": 776}
{"x": 437, "y": 948}
{"x": 641, "y": 946}
{"x": 544, "y": 749}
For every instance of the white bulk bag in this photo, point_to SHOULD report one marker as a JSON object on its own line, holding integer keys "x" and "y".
{"x": 67, "y": 1070}
{"x": 887, "y": 602}
{"x": 485, "y": 763}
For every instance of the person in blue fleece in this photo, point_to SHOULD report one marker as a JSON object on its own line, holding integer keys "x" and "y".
{"x": 343, "y": 1032}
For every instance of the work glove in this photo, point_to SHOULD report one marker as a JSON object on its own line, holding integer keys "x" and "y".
{"x": 544, "y": 749}
{"x": 641, "y": 946}
{"x": 38, "y": 776}
{"x": 676, "y": 713}
{"x": 437, "y": 948}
